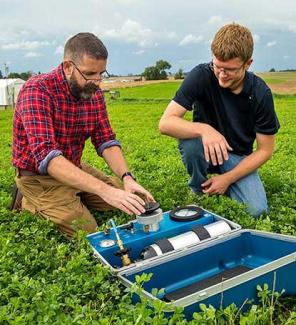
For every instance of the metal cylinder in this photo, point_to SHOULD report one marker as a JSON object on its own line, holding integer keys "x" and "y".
{"x": 150, "y": 221}
{"x": 186, "y": 239}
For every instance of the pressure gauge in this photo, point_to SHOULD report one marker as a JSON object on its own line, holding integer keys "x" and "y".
{"x": 107, "y": 243}
{"x": 186, "y": 213}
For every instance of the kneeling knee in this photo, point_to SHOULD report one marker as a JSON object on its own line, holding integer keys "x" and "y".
{"x": 257, "y": 210}
{"x": 191, "y": 148}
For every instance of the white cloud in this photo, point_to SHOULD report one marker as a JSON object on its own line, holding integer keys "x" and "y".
{"x": 132, "y": 32}
{"x": 191, "y": 39}
{"x": 286, "y": 57}
{"x": 139, "y": 52}
{"x": 215, "y": 19}
{"x": 270, "y": 44}
{"x": 32, "y": 55}
{"x": 25, "y": 45}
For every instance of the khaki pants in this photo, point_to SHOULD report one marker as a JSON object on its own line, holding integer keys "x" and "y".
{"x": 66, "y": 206}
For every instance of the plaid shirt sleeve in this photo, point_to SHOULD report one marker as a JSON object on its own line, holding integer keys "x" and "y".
{"x": 103, "y": 137}
{"x": 34, "y": 109}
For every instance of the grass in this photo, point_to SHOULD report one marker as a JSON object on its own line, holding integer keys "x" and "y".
{"x": 152, "y": 91}
{"x": 44, "y": 278}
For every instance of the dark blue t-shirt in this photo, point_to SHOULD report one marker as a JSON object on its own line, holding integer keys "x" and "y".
{"x": 238, "y": 117}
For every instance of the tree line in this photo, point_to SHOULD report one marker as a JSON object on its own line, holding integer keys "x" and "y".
{"x": 14, "y": 75}
{"x": 159, "y": 71}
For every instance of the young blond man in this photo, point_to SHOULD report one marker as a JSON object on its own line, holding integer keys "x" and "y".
{"x": 232, "y": 108}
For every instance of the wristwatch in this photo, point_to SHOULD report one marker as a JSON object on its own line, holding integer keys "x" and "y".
{"x": 128, "y": 174}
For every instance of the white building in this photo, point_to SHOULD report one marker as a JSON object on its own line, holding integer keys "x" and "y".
{"x": 9, "y": 89}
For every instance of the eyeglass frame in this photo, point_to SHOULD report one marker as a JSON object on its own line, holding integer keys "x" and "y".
{"x": 91, "y": 79}
{"x": 228, "y": 71}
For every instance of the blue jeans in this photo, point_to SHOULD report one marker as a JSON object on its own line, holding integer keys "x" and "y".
{"x": 248, "y": 190}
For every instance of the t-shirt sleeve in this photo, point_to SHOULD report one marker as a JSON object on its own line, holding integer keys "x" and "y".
{"x": 266, "y": 118}
{"x": 192, "y": 87}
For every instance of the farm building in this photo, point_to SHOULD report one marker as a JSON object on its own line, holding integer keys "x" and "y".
{"x": 9, "y": 89}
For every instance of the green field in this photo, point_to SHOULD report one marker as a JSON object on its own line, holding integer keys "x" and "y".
{"x": 153, "y": 91}
{"x": 46, "y": 279}
{"x": 278, "y": 77}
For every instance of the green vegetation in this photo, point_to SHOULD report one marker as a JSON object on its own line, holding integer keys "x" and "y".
{"x": 46, "y": 279}
{"x": 150, "y": 92}
{"x": 157, "y": 72}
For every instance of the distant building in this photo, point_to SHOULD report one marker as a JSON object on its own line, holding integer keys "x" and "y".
{"x": 9, "y": 89}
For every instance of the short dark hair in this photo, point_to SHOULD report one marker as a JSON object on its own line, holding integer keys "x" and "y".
{"x": 85, "y": 43}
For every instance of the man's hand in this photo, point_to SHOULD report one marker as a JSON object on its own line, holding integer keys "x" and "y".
{"x": 123, "y": 200}
{"x": 215, "y": 145}
{"x": 216, "y": 184}
{"x": 131, "y": 186}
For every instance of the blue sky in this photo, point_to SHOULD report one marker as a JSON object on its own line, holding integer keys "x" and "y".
{"x": 137, "y": 33}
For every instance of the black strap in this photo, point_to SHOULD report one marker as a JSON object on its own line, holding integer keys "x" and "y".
{"x": 201, "y": 232}
{"x": 165, "y": 245}
{"x": 205, "y": 283}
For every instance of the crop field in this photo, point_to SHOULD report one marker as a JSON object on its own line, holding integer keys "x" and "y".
{"x": 280, "y": 83}
{"x": 47, "y": 279}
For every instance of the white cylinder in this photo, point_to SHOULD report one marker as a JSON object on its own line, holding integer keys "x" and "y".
{"x": 188, "y": 238}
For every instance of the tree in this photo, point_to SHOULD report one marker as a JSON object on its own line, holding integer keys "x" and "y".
{"x": 1, "y": 75}
{"x": 179, "y": 74}
{"x": 22, "y": 75}
{"x": 157, "y": 72}
{"x": 151, "y": 73}
{"x": 272, "y": 70}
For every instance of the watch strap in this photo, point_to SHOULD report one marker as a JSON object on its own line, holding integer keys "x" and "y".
{"x": 128, "y": 174}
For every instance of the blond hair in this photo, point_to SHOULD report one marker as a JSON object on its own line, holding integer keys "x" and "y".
{"x": 233, "y": 41}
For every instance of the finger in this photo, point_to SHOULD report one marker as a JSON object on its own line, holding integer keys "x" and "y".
{"x": 206, "y": 152}
{"x": 148, "y": 196}
{"x": 224, "y": 151}
{"x": 138, "y": 198}
{"x": 207, "y": 191}
{"x": 132, "y": 208}
{"x": 210, "y": 191}
{"x": 228, "y": 146}
{"x": 213, "y": 155}
{"x": 219, "y": 154}
{"x": 206, "y": 183}
{"x": 136, "y": 205}
{"x": 124, "y": 209}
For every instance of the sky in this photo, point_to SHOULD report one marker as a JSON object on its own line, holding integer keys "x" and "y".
{"x": 137, "y": 33}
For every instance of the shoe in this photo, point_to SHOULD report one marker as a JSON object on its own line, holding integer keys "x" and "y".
{"x": 17, "y": 196}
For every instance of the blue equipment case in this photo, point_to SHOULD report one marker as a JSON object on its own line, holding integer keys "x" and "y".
{"x": 217, "y": 271}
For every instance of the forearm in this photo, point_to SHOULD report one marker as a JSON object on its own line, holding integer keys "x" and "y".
{"x": 115, "y": 160}
{"x": 180, "y": 128}
{"x": 248, "y": 165}
{"x": 67, "y": 173}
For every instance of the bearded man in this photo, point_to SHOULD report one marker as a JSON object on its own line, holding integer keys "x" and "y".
{"x": 54, "y": 116}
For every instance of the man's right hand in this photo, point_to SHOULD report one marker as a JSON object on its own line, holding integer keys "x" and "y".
{"x": 127, "y": 202}
{"x": 215, "y": 145}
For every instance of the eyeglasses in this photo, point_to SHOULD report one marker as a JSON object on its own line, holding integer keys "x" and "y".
{"x": 228, "y": 71}
{"x": 103, "y": 75}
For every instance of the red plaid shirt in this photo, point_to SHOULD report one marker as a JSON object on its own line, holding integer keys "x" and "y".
{"x": 49, "y": 121}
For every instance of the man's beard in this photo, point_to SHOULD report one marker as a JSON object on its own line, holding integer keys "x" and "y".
{"x": 79, "y": 92}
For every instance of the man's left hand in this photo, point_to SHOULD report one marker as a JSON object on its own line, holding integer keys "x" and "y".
{"x": 132, "y": 186}
{"x": 216, "y": 185}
